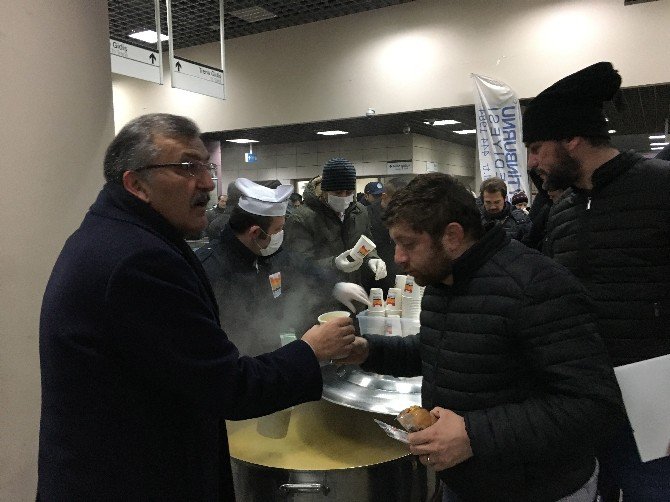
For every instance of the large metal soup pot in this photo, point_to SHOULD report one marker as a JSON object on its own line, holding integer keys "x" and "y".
{"x": 329, "y": 452}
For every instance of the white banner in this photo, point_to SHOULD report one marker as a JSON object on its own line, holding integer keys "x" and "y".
{"x": 502, "y": 153}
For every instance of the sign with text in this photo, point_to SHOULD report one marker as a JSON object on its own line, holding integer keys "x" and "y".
{"x": 196, "y": 77}
{"x": 502, "y": 153}
{"x": 250, "y": 157}
{"x": 134, "y": 61}
{"x": 399, "y": 167}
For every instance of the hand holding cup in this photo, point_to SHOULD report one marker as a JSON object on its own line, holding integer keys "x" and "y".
{"x": 332, "y": 339}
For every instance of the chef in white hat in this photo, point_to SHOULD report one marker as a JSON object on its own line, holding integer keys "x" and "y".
{"x": 261, "y": 289}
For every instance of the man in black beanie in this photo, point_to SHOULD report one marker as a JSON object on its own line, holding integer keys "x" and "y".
{"x": 611, "y": 229}
{"x": 329, "y": 223}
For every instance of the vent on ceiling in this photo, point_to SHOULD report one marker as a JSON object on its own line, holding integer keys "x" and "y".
{"x": 253, "y": 14}
{"x": 633, "y": 2}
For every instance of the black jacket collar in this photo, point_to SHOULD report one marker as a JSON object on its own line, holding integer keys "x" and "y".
{"x": 232, "y": 245}
{"x": 612, "y": 169}
{"x": 502, "y": 215}
{"x": 465, "y": 266}
{"x": 115, "y": 202}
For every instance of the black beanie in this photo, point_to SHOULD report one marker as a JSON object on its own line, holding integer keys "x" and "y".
{"x": 519, "y": 197}
{"x": 573, "y": 106}
{"x": 338, "y": 174}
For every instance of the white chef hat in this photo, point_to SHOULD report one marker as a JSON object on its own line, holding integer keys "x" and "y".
{"x": 263, "y": 201}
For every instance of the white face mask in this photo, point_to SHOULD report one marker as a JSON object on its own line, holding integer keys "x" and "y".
{"x": 339, "y": 204}
{"x": 275, "y": 243}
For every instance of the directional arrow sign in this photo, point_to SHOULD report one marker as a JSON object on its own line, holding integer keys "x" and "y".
{"x": 134, "y": 61}
{"x": 199, "y": 78}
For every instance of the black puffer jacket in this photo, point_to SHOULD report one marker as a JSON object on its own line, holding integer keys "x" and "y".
{"x": 516, "y": 223}
{"x": 616, "y": 240}
{"x": 513, "y": 347}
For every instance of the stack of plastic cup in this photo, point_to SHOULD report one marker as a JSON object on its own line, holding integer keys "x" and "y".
{"x": 394, "y": 302}
{"x": 411, "y": 299}
{"x": 400, "y": 282}
{"x": 377, "y": 302}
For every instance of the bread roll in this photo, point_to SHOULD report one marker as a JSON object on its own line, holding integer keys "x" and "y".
{"x": 415, "y": 418}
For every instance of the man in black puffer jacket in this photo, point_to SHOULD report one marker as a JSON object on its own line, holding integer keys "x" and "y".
{"x": 511, "y": 360}
{"x": 495, "y": 208}
{"x": 612, "y": 230}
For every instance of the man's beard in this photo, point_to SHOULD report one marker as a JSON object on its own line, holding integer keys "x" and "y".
{"x": 566, "y": 171}
{"x": 440, "y": 267}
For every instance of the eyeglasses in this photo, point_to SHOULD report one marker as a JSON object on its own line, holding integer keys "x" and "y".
{"x": 191, "y": 168}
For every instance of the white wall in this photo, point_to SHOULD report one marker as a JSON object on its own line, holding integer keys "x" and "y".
{"x": 304, "y": 160}
{"x": 369, "y": 154}
{"x": 448, "y": 157}
{"x": 411, "y": 56}
{"x": 56, "y": 120}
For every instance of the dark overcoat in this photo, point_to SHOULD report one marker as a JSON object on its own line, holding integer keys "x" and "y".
{"x": 137, "y": 375}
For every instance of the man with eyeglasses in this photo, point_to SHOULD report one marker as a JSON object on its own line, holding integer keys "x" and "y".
{"x": 137, "y": 374}
{"x": 262, "y": 289}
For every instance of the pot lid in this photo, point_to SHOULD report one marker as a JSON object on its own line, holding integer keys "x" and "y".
{"x": 352, "y": 387}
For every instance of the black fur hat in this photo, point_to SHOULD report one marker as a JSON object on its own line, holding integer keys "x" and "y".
{"x": 573, "y": 106}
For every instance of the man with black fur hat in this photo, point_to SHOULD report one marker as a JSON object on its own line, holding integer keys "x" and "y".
{"x": 329, "y": 223}
{"x": 611, "y": 229}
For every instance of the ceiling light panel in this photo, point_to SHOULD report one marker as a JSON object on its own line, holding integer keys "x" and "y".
{"x": 331, "y": 133}
{"x": 148, "y": 36}
{"x": 195, "y": 22}
{"x": 442, "y": 122}
{"x": 253, "y": 14}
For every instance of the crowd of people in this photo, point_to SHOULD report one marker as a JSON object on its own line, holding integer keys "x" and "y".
{"x": 146, "y": 347}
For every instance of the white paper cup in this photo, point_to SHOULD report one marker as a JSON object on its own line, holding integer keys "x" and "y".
{"x": 362, "y": 248}
{"x": 394, "y": 299}
{"x": 323, "y": 318}
{"x": 393, "y": 327}
{"x": 376, "y": 299}
{"x": 286, "y": 338}
{"x": 408, "y": 289}
{"x": 275, "y": 425}
{"x": 371, "y": 323}
{"x": 400, "y": 282}
{"x": 393, "y": 312}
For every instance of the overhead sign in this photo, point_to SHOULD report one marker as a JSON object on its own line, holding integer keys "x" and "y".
{"x": 196, "y": 77}
{"x": 250, "y": 157}
{"x": 133, "y": 61}
{"x": 399, "y": 167}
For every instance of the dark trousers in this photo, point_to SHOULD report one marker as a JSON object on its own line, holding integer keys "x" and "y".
{"x": 621, "y": 468}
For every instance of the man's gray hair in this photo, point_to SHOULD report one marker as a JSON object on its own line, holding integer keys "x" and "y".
{"x": 134, "y": 146}
{"x": 396, "y": 183}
